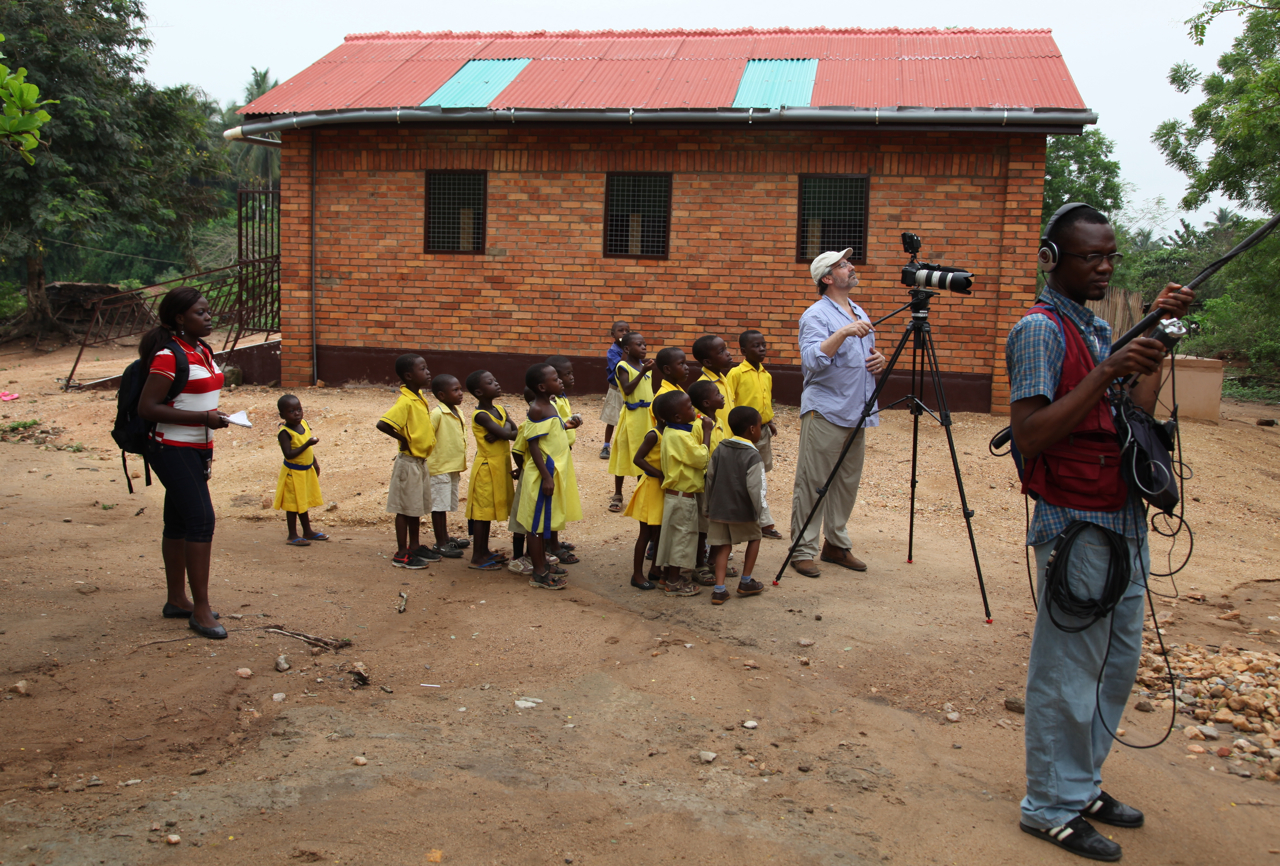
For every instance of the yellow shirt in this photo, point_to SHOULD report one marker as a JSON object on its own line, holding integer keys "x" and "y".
{"x": 450, "y": 453}
{"x": 662, "y": 389}
{"x": 562, "y": 408}
{"x": 722, "y": 385}
{"x": 684, "y": 458}
{"x": 752, "y": 387}
{"x": 719, "y": 433}
{"x": 411, "y": 418}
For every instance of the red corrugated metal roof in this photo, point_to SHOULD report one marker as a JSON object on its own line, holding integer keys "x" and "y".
{"x": 691, "y": 69}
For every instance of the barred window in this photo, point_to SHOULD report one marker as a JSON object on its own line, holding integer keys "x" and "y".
{"x": 833, "y": 216}
{"x": 637, "y": 215}
{"x": 455, "y": 211}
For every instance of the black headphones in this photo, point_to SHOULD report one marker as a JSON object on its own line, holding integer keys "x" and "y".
{"x": 1049, "y": 255}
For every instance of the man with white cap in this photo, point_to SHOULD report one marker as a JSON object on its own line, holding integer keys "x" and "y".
{"x": 840, "y": 361}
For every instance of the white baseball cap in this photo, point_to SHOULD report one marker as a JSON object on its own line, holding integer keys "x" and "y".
{"x": 822, "y": 265}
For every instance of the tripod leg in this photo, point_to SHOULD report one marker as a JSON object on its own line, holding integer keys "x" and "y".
{"x": 913, "y": 401}
{"x": 862, "y": 420}
{"x": 944, "y": 415}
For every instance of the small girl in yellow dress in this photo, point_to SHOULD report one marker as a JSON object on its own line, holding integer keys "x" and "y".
{"x": 298, "y": 487}
{"x": 549, "y": 494}
{"x": 646, "y": 504}
{"x": 635, "y": 380}
{"x": 491, "y": 492}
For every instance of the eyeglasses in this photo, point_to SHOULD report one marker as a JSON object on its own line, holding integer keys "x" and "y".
{"x": 1093, "y": 259}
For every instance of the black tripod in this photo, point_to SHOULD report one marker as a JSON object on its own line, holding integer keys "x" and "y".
{"x": 922, "y": 356}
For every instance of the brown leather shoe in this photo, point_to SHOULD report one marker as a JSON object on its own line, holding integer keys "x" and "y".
{"x": 841, "y": 557}
{"x": 751, "y": 587}
{"x": 806, "y": 567}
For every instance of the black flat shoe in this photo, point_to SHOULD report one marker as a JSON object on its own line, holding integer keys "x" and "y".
{"x": 218, "y": 632}
{"x": 1109, "y": 810}
{"x": 648, "y": 584}
{"x": 172, "y": 611}
{"x": 1078, "y": 837}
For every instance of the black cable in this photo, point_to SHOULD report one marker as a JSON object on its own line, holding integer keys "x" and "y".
{"x": 1057, "y": 587}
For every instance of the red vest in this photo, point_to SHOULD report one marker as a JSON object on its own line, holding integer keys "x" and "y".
{"x": 1082, "y": 470}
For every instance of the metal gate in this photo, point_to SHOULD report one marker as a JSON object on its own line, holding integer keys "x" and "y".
{"x": 244, "y": 298}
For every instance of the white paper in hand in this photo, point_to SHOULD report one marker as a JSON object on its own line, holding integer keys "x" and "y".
{"x": 240, "y": 419}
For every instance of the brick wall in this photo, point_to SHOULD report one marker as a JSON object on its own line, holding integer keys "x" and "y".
{"x": 545, "y": 286}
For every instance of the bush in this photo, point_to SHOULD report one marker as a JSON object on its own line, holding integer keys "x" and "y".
{"x": 12, "y": 301}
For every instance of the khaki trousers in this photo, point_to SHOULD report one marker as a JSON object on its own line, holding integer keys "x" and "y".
{"x": 820, "y": 445}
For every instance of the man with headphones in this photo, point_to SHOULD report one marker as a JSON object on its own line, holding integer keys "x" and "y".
{"x": 1060, "y": 370}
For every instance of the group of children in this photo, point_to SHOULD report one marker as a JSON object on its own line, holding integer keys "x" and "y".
{"x": 695, "y": 498}
{"x": 701, "y": 458}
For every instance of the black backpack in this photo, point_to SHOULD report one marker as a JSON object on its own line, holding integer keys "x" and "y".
{"x": 132, "y": 432}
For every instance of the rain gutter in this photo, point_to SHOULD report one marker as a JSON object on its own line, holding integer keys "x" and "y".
{"x": 1012, "y": 118}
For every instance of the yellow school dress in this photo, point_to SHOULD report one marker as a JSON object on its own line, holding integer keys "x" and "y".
{"x": 491, "y": 491}
{"x": 298, "y": 485}
{"x": 546, "y": 514}
{"x": 646, "y": 503}
{"x": 634, "y": 423}
{"x": 562, "y": 407}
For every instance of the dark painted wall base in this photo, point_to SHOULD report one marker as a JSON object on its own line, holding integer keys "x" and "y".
{"x": 965, "y": 392}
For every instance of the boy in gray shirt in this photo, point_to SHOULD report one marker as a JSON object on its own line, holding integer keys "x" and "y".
{"x": 735, "y": 493}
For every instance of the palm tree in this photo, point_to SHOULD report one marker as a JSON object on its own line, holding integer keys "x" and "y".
{"x": 257, "y": 166}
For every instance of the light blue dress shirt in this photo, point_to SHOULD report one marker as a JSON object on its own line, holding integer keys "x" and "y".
{"x": 839, "y": 387}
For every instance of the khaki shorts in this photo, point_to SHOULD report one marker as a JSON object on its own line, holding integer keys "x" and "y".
{"x": 732, "y": 533}
{"x": 678, "y": 542}
{"x": 444, "y": 491}
{"x": 612, "y": 410}
{"x": 410, "y": 490}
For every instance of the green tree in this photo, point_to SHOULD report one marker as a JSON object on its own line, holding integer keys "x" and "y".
{"x": 21, "y": 115}
{"x": 1080, "y": 168}
{"x": 123, "y": 154}
{"x": 1238, "y": 122}
{"x": 256, "y": 165}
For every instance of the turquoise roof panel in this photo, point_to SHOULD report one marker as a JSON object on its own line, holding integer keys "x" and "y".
{"x": 775, "y": 83}
{"x": 477, "y": 83}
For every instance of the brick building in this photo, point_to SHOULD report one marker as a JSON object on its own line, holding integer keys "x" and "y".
{"x": 532, "y": 188}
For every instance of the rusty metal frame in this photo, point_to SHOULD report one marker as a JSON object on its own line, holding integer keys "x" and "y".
{"x": 244, "y": 298}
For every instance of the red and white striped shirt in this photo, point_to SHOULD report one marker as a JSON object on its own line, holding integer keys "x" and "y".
{"x": 204, "y": 385}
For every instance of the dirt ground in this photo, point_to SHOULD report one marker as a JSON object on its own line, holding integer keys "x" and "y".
{"x": 135, "y": 730}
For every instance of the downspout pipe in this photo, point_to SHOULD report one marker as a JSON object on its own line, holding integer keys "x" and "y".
{"x": 315, "y": 358}
{"x": 1068, "y": 119}
{"x": 237, "y": 134}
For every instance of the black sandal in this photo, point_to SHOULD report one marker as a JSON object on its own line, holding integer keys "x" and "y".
{"x": 648, "y": 584}
{"x": 547, "y": 580}
{"x": 566, "y": 557}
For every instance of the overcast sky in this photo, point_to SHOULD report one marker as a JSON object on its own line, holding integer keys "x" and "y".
{"x": 1118, "y": 51}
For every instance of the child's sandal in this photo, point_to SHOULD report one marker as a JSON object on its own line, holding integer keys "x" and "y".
{"x": 317, "y": 536}
{"x": 564, "y": 545}
{"x": 615, "y": 503}
{"x": 299, "y": 542}
{"x": 547, "y": 580}
{"x": 568, "y": 558}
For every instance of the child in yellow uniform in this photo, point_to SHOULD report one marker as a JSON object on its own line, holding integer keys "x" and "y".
{"x": 447, "y": 462}
{"x": 409, "y": 494}
{"x": 713, "y": 354}
{"x": 560, "y": 548}
{"x": 673, "y": 367}
{"x": 549, "y": 497}
{"x": 646, "y": 504}
{"x": 750, "y": 384}
{"x": 635, "y": 381}
{"x": 611, "y": 411}
{"x": 491, "y": 492}
{"x": 707, "y": 401}
{"x": 684, "y": 465}
{"x": 298, "y": 487}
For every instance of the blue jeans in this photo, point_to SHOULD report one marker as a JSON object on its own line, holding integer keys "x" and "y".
{"x": 1066, "y": 741}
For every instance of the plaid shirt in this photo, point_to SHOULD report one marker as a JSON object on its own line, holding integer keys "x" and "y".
{"x": 1034, "y": 354}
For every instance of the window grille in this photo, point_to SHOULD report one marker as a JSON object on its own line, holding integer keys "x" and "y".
{"x": 637, "y": 215}
{"x": 456, "y": 212}
{"x": 833, "y": 216}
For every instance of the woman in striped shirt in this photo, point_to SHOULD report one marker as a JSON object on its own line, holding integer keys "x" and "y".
{"x": 181, "y": 450}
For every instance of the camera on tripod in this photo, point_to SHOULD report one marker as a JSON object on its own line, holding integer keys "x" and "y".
{"x": 923, "y": 275}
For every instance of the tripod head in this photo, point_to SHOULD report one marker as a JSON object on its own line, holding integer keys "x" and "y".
{"x": 920, "y": 299}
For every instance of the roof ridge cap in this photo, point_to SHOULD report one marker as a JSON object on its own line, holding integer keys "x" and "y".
{"x": 471, "y": 35}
